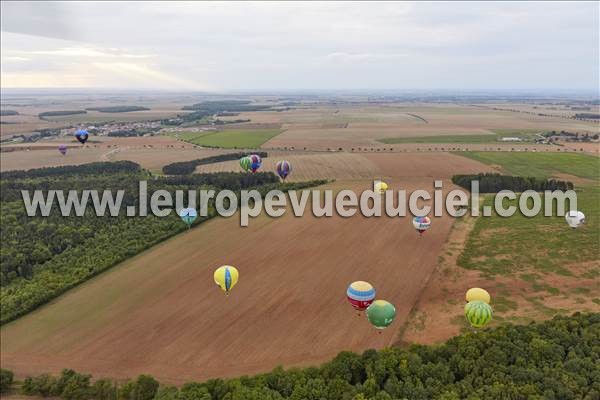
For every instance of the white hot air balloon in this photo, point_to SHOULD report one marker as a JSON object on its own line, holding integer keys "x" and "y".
{"x": 575, "y": 218}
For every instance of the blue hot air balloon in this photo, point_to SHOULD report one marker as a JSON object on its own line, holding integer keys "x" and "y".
{"x": 82, "y": 135}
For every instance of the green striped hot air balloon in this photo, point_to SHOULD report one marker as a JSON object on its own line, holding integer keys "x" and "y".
{"x": 246, "y": 163}
{"x": 381, "y": 314}
{"x": 478, "y": 313}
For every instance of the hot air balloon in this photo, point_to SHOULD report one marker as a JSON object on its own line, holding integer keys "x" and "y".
{"x": 479, "y": 294}
{"x": 82, "y": 136}
{"x": 256, "y": 162}
{"x": 188, "y": 215}
{"x": 226, "y": 277}
{"x": 421, "y": 224}
{"x": 283, "y": 169}
{"x": 63, "y": 149}
{"x": 381, "y": 314}
{"x": 478, "y": 313}
{"x": 245, "y": 163}
{"x": 360, "y": 294}
{"x": 380, "y": 187}
{"x": 575, "y": 218}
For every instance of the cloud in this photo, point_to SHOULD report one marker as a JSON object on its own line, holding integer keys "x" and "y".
{"x": 362, "y": 57}
{"x": 89, "y": 52}
{"x": 14, "y": 59}
{"x": 305, "y": 45}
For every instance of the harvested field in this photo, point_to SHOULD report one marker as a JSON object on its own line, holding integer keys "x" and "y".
{"x": 318, "y": 128}
{"x": 150, "y": 152}
{"x": 307, "y": 166}
{"x": 160, "y": 313}
{"x": 344, "y": 166}
{"x": 435, "y": 166}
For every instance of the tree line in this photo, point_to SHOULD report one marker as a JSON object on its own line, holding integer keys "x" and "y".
{"x": 188, "y": 167}
{"x": 117, "y": 109}
{"x": 493, "y": 183}
{"x": 42, "y": 257}
{"x": 214, "y": 107}
{"x": 60, "y": 113}
{"x": 554, "y": 359}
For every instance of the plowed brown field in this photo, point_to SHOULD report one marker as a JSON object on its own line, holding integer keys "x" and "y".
{"x": 160, "y": 312}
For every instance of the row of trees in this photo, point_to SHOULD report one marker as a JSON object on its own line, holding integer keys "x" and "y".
{"x": 188, "y": 167}
{"x": 94, "y": 168}
{"x": 118, "y": 109}
{"x": 215, "y": 107}
{"x": 493, "y": 183}
{"x": 42, "y": 257}
{"x": 60, "y": 113}
{"x": 556, "y": 359}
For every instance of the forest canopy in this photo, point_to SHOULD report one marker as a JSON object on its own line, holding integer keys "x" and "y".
{"x": 555, "y": 359}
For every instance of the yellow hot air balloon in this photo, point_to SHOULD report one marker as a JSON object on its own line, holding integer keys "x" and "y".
{"x": 477, "y": 294}
{"x": 380, "y": 187}
{"x": 226, "y": 277}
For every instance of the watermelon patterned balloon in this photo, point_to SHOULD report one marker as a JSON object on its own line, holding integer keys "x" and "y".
{"x": 421, "y": 224}
{"x": 283, "y": 169}
{"x": 381, "y": 314}
{"x": 478, "y": 313}
{"x": 360, "y": 294}
{"x": 245, "y": 163}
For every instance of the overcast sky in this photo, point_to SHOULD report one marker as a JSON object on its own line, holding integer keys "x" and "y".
{"x": 277, "y": 46}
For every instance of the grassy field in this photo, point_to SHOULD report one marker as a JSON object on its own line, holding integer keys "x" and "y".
{"x": 229, "y": 139}
{"x": 541, "y": 165}
{"x": 540, "y": 263}
{"x": 507, "y": 246}
{"x": 493, "y": 137}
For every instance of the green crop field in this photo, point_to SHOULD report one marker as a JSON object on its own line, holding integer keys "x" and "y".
{"x": 238, "y": 138}
{"x": 537, "y": 251}
{"x": 519, "y": 244}
{"x": 541, "y": 165}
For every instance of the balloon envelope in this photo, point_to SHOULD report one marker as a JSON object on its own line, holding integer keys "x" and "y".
{"x": 82, "y": 136}
{"x": 575, "y": 218}
{"x": 283, "y": 169}
{"x": 63, "y": 149}
{"x": 226, "y": 277}
{"x": 245, "y": 163}
{"x": 421, "y": 224}
{"x": 478, "y": 313}
{"x": 381, "y": 314}
{"x": 188, "y": 215}
{"x": 360, "y": 294}
{"x": 381, "y": 187}
{"x": 478, "y": 294}
{"x": 256, "y": 162}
